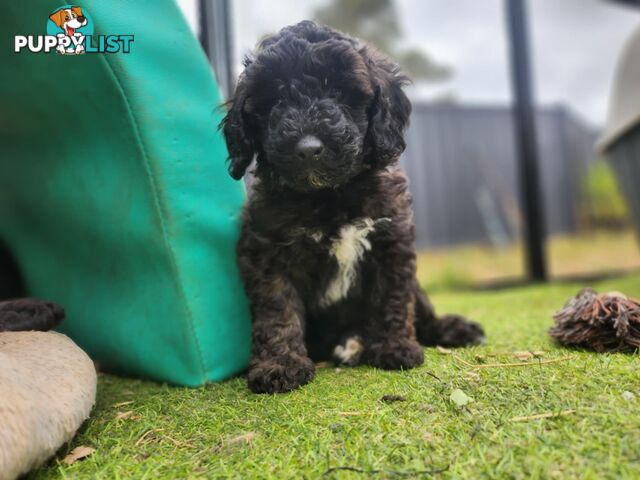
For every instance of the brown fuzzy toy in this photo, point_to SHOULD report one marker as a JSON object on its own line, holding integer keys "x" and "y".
{"x": 608, "y": 322}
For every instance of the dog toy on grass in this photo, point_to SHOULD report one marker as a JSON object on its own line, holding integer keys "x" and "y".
{"x": 606, "y": 322}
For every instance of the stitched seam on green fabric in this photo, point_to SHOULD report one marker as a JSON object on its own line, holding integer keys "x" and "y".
{"x": 160, "y": 209}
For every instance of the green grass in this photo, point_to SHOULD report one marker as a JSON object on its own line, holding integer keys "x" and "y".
{"x": 223, "y": 430}
{"x": 587, "y": 253}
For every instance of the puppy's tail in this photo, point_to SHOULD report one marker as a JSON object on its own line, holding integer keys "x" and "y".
{"x": 25, "y": 314}
{"x": 447, "y": 330}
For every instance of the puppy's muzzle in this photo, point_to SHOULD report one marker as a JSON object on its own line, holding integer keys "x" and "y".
{"x": 309, "y": 148}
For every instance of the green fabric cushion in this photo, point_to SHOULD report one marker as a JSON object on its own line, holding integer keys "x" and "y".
{"x": 114, "y": 196}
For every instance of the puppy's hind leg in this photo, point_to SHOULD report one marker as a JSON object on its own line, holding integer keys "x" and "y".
{"x": 447, "y": 330}
{"x": 349, "y": 350}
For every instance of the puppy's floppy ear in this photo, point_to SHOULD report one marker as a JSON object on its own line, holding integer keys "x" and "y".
{"x": 389, "y": 113}
{"x": 235, "y": 129}
{"x": 77, "y": 11}
{"x": 58, "y": 17}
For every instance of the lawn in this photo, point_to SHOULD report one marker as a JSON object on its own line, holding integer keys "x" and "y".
{"x": 589, "y": 253}
{"x": 147, "y": 430}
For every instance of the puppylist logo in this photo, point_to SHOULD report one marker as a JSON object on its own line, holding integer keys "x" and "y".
{"x": 70, "y": 32}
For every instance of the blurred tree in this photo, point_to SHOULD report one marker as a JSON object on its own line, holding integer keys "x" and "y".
{"x": 603, "y": 205}
{"x": 376, "y": 21}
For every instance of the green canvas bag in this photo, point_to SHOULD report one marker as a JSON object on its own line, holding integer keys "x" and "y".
{"x": 114, "y": 195}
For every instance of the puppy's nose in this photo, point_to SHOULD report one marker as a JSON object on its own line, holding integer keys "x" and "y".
{"x": 81, "y": 18}
{"x": 309, "y": 147}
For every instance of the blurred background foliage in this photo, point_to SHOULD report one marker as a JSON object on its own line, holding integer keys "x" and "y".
{"x": 603, "y": 204}
{"x": 376, "y": 21}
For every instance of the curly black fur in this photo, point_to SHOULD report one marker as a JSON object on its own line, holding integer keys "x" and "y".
{"x": 326, "y": 250}
{"x": 23, "y": 314}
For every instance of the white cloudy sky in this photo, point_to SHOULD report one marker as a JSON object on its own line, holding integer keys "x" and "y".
{"x": 575, "y": 44}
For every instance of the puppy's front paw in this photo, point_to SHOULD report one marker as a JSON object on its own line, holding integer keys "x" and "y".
{"x": 29, "y": 314}
{"x": 396, "y": 354}
{"x": 457, "y": 331}
{"x": 280, "y": 374}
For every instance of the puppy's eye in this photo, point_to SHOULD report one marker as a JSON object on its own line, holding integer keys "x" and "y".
{"x": 66, "y": 17}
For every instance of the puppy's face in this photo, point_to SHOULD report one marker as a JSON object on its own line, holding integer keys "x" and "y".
{"x": 69, "y": 17}
{"x": 309, "y": 105}
{"x": 74, "y": 18}
{"x": 310, "y": 112}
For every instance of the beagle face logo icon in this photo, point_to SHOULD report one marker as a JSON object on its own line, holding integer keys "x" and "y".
{"x": 70, "y": 31}
{"x": 70, "y": 25}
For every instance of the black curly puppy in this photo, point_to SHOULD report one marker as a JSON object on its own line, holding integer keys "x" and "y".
{"x": 327, "y": 245}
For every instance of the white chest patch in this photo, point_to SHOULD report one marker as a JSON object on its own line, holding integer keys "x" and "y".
{"x": 348, "y": 248}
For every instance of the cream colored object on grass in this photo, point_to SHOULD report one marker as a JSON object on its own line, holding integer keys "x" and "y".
{"x": 47, "y": 389}
{"x": 624, "y": 103}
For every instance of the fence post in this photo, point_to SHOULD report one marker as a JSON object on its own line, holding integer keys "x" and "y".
{"x": 216, "y": 38}
{"x": 525, "y": 140}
